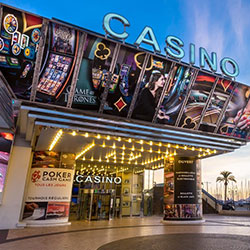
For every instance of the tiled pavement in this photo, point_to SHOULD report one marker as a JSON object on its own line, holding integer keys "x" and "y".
{"x": 218, "y": 232}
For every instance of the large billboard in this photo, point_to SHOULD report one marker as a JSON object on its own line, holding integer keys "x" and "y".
{"x": 118, "y": 79}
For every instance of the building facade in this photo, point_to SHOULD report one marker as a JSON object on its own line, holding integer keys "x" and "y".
{"x": 84, "y": 116}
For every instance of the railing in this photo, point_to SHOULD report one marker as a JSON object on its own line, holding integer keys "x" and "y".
{"x": 212, "y": 201}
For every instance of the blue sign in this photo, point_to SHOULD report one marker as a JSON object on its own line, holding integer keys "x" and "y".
{"x": 174, "y": 46}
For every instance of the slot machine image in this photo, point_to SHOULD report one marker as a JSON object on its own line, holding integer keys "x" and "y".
{"x": 55, "y": 74}
{"x": 59, "y": 65}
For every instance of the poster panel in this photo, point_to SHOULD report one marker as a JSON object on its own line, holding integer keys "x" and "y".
{"x": 59, "y": 61}
{"x": 151, "y": 88}
{"x": 50, "y": 186}
{"x": 182, "y": 189}
{"x": 94, "y": 73}
{"x": 5, "y": 147}
{"x": 175, "y": 95}
{"x": 221, "y": 94}
{"x": 197, "y": 100}
{"x": 185, "y": 191}
{"x": 19, "y": 39}
{"x": 125, "y": 78}
{"x": 237, "y": 113}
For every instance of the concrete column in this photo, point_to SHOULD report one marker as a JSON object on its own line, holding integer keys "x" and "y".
{"x": 12, "y": 203}
{"x": 182, "y": 189}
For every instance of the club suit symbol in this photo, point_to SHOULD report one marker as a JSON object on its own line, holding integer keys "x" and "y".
{"x": 139, "y": 58}
{"x": 102, "y": 52}
{"x": 189, "y": 123}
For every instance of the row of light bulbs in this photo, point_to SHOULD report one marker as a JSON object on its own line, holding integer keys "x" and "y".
{"x": 132, "y": 156}
{"x": 151, "y": 143}
{"x": 128, "y": 161}
{"x": 203, "y": 152}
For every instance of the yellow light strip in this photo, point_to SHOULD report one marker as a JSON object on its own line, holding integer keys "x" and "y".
{"x": 85, "y": 150}
{"x": 55, "y": 140}
{"x": 151, "y": 143}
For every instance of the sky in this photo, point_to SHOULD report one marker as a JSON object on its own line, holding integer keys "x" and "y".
{"x": 218, "y": 26}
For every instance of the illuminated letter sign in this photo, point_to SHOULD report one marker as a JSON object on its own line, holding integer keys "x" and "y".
{"x": 151, "y": 41}
{"x": 173, "y": 48}
{"x": 211, "y": 62}
{"x": 234, "y": 65}
{"x": 98, "y": 179}
{"x": 106, "y": 25}
{"x": 192, "y": 54}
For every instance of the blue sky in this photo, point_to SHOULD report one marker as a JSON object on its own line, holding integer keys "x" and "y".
{"x": 219, "y": 26}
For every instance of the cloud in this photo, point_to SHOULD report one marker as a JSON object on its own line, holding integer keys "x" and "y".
{"x": 208, "y": 33}
{"x": 239, "y": 17}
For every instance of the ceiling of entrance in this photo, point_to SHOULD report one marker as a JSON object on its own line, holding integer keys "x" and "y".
{"x": 96, "y": 149}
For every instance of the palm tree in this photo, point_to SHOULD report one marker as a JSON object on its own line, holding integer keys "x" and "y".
{"x": 226, "y": 177}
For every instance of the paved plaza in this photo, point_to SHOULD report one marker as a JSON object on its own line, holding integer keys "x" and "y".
{"x": 218, "y": 232}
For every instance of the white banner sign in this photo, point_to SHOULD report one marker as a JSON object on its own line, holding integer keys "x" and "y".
{"x": 47, "y": 184}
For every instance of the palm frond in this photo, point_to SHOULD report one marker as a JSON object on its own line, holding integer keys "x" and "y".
{"x": 231, "y": 178}
{"x": 220, "y": 179}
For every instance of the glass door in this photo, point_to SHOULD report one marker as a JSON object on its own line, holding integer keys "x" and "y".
{"x": 84, "y": 204}
{"x": 101, "y": 206}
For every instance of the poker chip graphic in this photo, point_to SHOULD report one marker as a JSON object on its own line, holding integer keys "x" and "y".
{"x": 1, "y": 43}
{"x": 35, "y": 36}
{"x": 16, "y": 49}
{"x": 27, "y": 52}
{"x": 10, "y": 23}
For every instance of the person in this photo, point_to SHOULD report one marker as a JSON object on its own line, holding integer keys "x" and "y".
{"x": 149, "y": 97}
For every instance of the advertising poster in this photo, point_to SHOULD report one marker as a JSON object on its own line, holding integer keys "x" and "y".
{"x": 197, "y": 100}
{"x": 19, "y": 39}
{"x": 126, "y": 76}
{"x": 221, "y": 94}
{"x": 151, "y": 88}
{"x": 185, "y": 191}
{"x": 5, "y": 147}
{"x": 182, "y": 189}
{"x": 94, "y": 73}
{"x": 175, "y": 95}
{"x": 50, "y": 186}
{"x": 237, "y": 113}
{"x": 58, "y": 65}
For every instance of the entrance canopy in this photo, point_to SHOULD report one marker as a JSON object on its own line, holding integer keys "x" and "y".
{"x": 101, "y": 142}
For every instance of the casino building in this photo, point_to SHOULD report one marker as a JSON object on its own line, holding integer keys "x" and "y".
{"x": 88, "y": 122}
